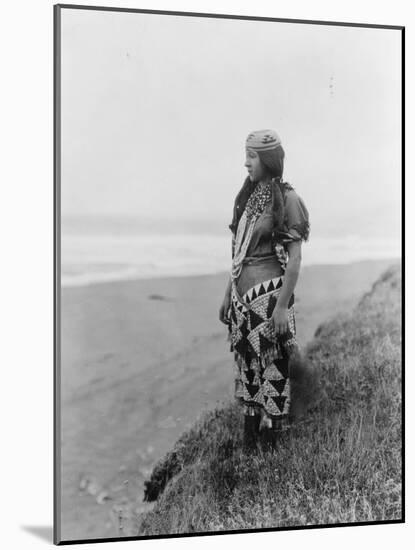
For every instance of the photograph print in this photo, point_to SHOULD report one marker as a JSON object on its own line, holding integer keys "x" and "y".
{"x": 228, "y": 278}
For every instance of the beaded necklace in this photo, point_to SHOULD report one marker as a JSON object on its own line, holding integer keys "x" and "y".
{"x": 253, "y": 209}
{"x": 257, "y": 201}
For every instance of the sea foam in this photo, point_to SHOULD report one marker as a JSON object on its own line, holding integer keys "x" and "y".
{"x": 94, "y": 258}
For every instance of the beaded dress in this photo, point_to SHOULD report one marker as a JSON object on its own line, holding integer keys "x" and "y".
{"x": 262, "y": 384}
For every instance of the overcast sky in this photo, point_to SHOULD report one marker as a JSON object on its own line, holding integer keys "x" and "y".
{"x": 156, "y": 110}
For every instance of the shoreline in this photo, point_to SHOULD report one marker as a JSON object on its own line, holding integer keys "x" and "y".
{"x": 135, "y": 279}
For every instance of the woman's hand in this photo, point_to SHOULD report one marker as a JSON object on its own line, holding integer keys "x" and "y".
{"x": 279, "y": 320}
{"x": 224, "y": 310}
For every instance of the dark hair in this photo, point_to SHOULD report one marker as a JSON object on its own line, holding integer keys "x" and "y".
{"x": 273, "y": 163}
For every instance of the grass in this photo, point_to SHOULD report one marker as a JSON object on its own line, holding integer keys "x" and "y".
{"x": 341, "y": 461}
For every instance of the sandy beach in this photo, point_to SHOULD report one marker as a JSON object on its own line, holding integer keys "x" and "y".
{"x": 140, "y": 361}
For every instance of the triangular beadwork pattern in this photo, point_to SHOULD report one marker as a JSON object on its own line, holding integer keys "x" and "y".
{"x": 261, "y": 290}
{"x": 272, "y": 373}
{"x": 271, "y": 306}
{"x": 282, "y": 366}
{"x": 269, "y": 388}
{"x": 270, "y": 286}
{"x": 262, "y": 371}
{"x": 280, "y": 402}
{"x": 254, "y": 319}
{"x": 279, "y": 385}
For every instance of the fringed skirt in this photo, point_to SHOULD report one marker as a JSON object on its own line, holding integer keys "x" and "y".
{"x": 261, "y": 360}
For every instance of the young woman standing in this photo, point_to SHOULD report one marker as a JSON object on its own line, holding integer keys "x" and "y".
{"x": 269, "y": 223}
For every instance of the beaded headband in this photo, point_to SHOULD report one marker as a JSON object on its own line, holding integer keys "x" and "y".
{"x": 263, "y": 140}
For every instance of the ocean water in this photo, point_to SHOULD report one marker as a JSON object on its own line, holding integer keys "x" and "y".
{"x": 104, "y": 252}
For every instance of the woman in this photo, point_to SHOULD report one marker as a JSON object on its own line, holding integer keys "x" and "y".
{"x": 269, "y": 223}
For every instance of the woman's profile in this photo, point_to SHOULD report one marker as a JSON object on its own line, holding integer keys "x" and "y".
{"x": 269, "y": 223}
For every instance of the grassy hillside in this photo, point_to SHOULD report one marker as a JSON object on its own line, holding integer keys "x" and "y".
{"x": 341, "y": 461}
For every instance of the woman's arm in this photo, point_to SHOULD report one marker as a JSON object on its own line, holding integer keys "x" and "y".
{"x": 224, "y": 308}
{"x": 280, "y": 313}
{"x": 228, "y": 287}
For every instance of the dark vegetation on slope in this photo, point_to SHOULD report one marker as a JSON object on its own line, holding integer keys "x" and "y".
{"x": 341, "y": 461}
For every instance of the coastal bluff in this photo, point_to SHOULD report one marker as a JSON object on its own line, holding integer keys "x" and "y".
{"x": 341, "y": 462}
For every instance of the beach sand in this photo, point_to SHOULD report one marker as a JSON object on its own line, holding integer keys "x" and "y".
{"x": 140, "y": 361}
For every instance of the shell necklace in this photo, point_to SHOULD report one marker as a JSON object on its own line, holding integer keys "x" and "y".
{"x": 253, "y": 209}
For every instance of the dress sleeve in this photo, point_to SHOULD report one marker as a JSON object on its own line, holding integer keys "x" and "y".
{"x": 296, "y": 219}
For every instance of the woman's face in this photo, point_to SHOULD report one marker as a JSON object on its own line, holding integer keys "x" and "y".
{"x": 254, "y": 166}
